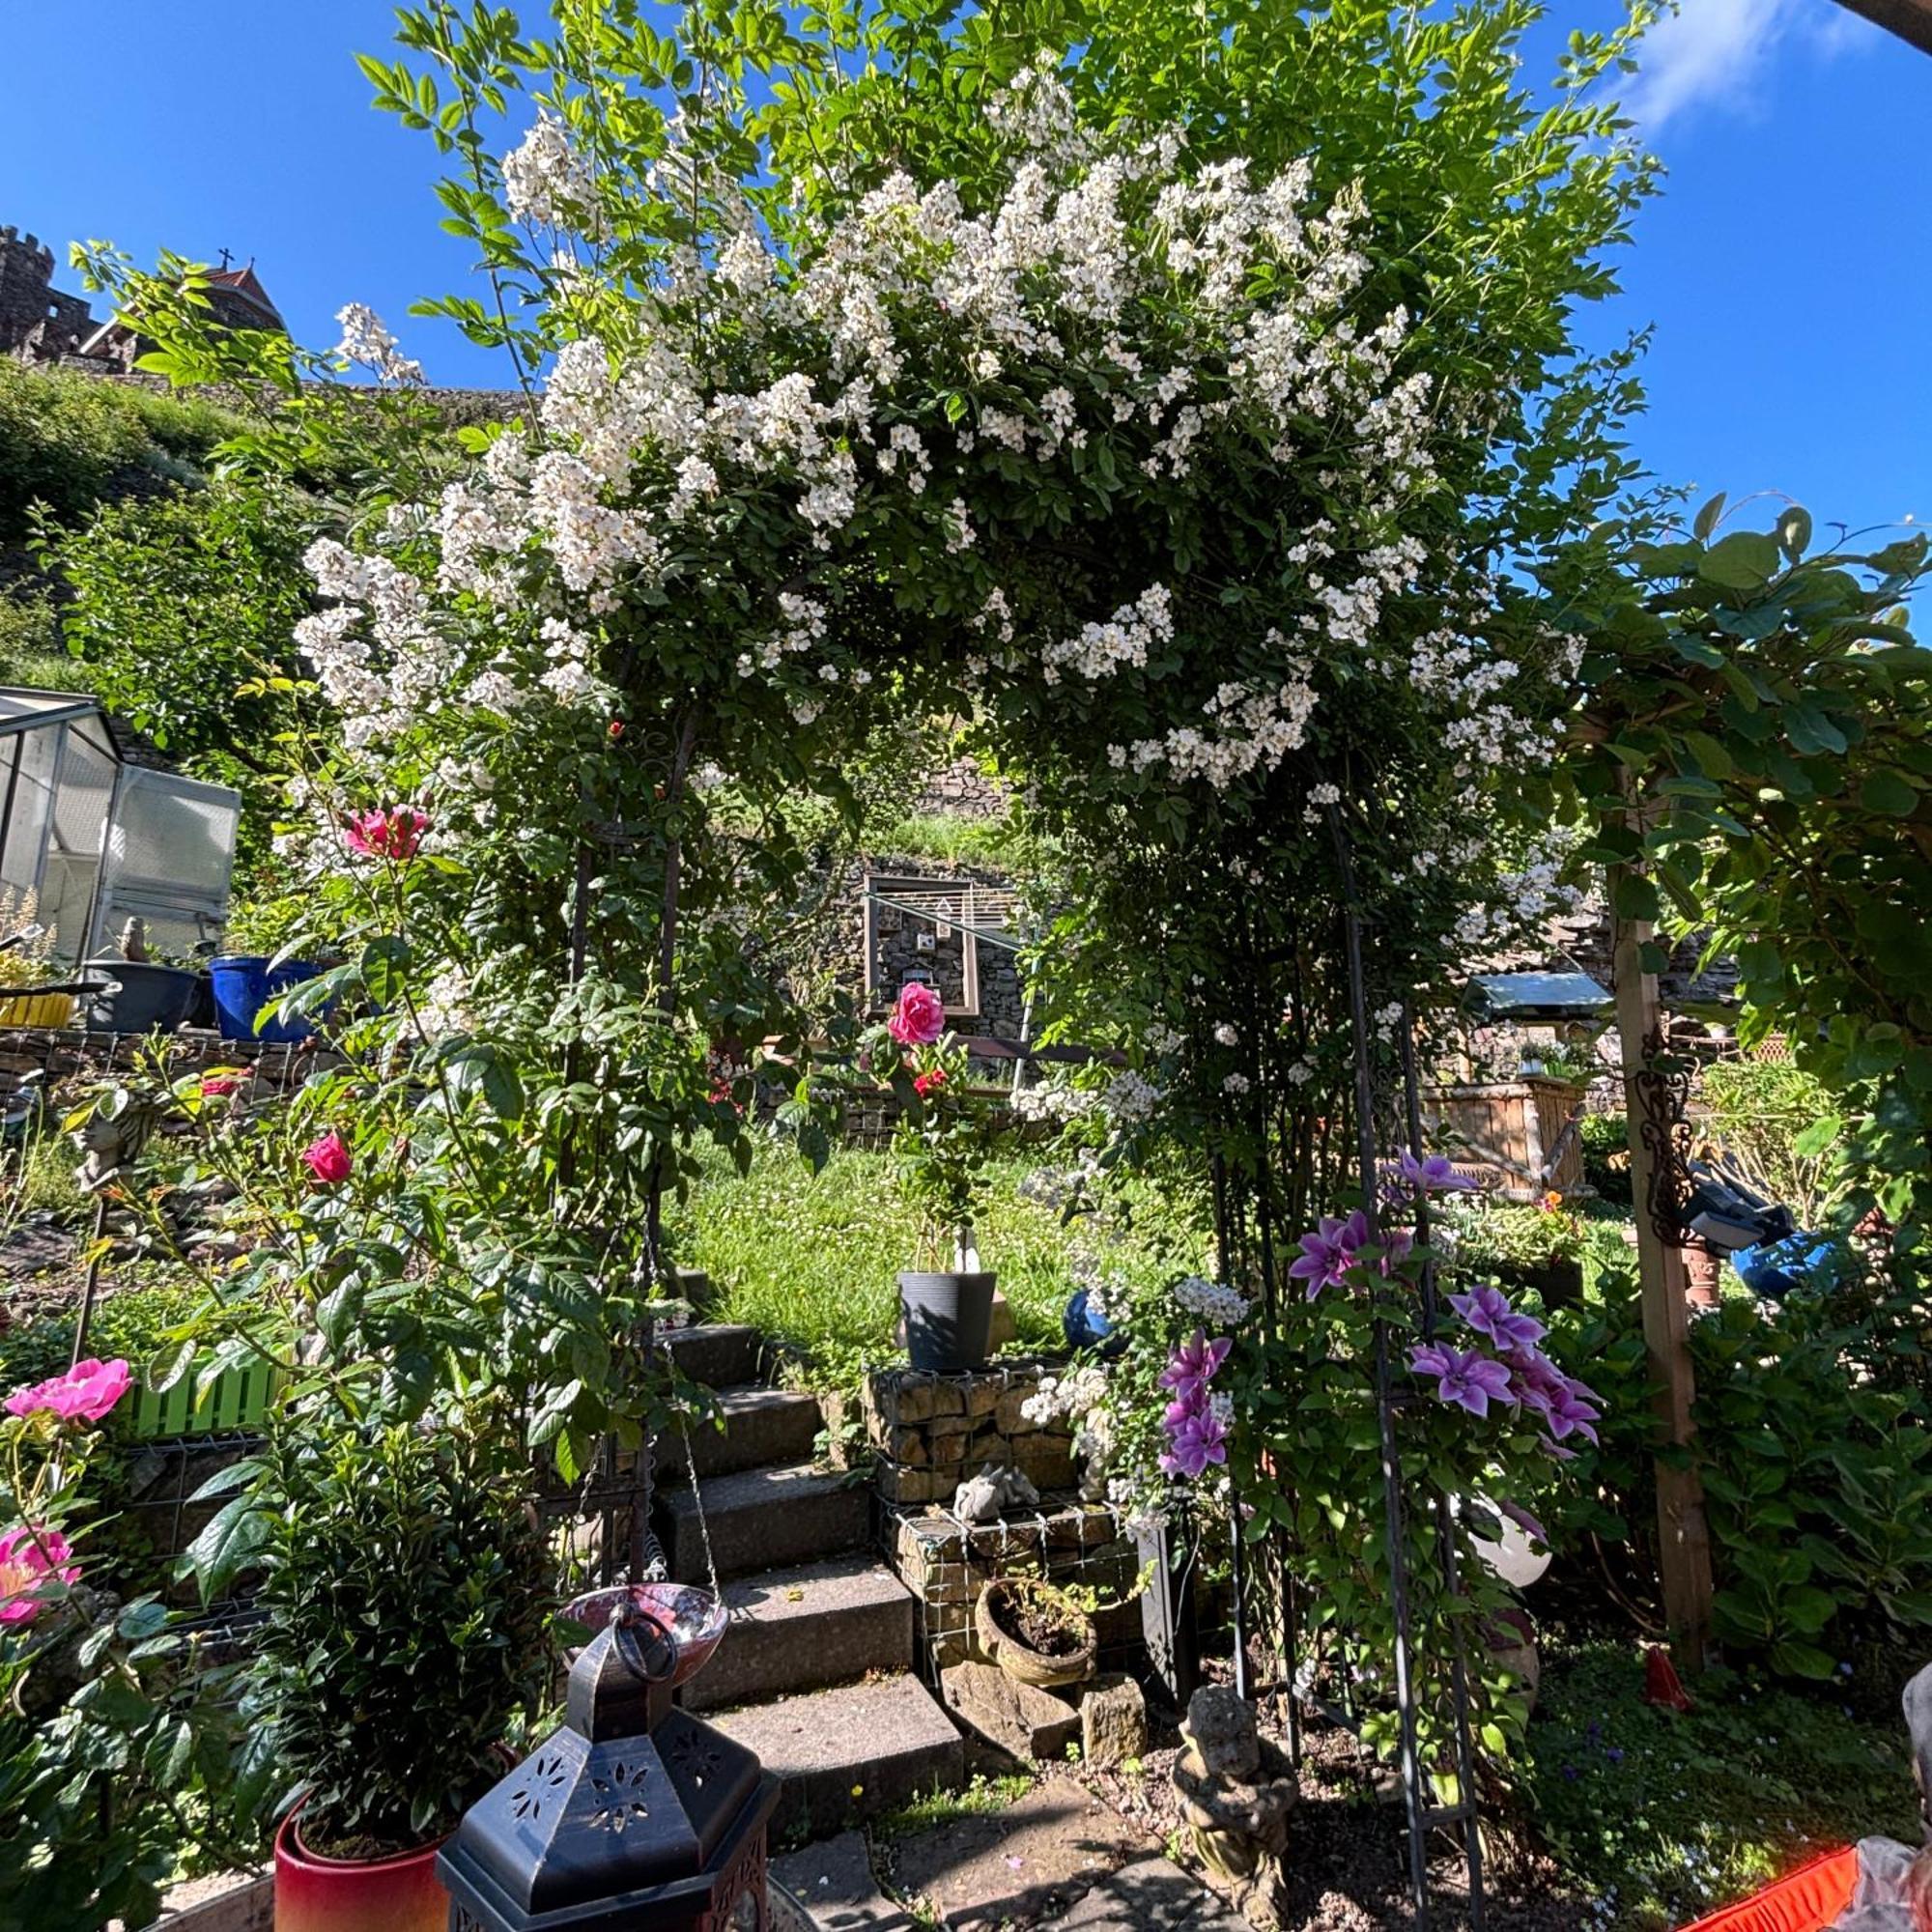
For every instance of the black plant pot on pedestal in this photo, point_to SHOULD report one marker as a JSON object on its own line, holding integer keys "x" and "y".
{"x": 948, "y": 1318}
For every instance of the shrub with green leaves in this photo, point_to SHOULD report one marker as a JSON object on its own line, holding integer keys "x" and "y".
{"x": 1776, "y": 1121}
{"x": 407, "y": 1592}
{"x": 1814, "y": 1440}
{"x": 68, "y": 441}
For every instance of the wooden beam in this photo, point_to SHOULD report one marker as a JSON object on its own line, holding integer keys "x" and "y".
{"x": 1910, "y": 20}
{"x": 1683, "y": 1535}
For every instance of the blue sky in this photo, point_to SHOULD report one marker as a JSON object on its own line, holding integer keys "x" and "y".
{"x": 1787, "y": 268}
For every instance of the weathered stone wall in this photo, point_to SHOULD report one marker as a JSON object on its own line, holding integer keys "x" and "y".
{"x": 28, "y": 298}
{"x": 962, "y": 790}
{"x": 946, "y": 1564}
{"x": 931, "y": 1432}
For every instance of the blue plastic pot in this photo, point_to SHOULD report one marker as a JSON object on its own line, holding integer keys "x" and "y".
{"x": 243, "y": 985}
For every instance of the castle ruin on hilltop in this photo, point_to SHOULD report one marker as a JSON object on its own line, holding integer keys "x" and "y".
{"x": 46, "y": 325}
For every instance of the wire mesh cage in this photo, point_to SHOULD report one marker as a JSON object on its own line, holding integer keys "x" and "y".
{"x": 96, "y": 840}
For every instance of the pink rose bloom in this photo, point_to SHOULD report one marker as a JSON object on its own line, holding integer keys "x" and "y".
{"x": 218, "y": 1086}
{"x": 84, "y": 1394}
{"x": 27, "y": 1559}
{"x": 328, "y": 1160}
{"x": 394, "y": 834}
{"x": 919, "y": 1019}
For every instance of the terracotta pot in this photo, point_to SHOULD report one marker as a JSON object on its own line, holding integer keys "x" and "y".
{"x": 1019, "y": 1659}
{"x": 1701, "y": 1266}
{"x": 316, "y": 1894}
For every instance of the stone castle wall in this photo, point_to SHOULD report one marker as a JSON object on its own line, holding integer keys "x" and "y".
{"x": 29, "y": 299}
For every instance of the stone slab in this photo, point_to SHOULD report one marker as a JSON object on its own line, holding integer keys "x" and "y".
{"x": 805, "y": 1627}
{"x": 762, "y": 1519}
{"x": 850, "y": 1753}
{"x": 762, "y": 1426}
{"x": 716, "y": 1353}
{"x": 1023, "y": 1865}
{"x": 832, "y": 1880}
{"x": 1113, "y": 1721}
{"x": 1021, "y": 1719}
{"x": 1151, "y": 1895}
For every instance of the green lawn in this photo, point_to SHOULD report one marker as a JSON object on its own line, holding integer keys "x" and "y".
{"x": 812, "y": 1259}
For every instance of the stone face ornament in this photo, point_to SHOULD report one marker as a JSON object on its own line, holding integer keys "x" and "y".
{"x": 1235, "y": 1791}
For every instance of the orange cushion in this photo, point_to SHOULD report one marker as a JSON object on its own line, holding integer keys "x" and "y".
{"x": 1809, "y": 1900}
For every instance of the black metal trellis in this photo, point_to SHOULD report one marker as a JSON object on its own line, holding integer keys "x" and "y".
{"x": 1422, "y": 1815}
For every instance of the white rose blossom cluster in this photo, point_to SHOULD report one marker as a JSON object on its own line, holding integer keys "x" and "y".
{"x": 365, "y": 340}
{"x": 1212, "y": 1301}
{"x": 547, "y": 182}
{"x": 1081, "y": 1399}
{"x": 1030, "y": 317}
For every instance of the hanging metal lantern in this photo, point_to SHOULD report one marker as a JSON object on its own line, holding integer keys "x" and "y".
{"x": 633, "y": 1816}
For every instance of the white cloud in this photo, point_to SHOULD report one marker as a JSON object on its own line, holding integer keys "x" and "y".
{"x": 1722, "y": 53}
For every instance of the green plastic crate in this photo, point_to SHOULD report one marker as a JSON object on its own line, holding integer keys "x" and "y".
{"x": 235, "y": 1404}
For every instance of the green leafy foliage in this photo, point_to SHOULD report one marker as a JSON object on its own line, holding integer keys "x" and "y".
{"x": 1777, "y": 1121}
{"x": 1764, "y": 712}
{"x": 66, "y": 442}
{"x": 1665, "y": 1816}
{"x": 408, "y": 1591}
{"x": 1812, "y": 1441}
{"x": 181, "y": 617}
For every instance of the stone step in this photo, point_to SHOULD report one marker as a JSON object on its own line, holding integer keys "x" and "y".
{"x": 762, "y": 1426}
{"x": 761, "y": 1519}
{"x": 801, "y": 1628}
{"x": 720, "y": 1354}
{"x": 850, "y": 1753}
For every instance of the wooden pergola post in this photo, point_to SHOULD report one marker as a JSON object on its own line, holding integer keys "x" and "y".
{"x": 1682, "y": 1536}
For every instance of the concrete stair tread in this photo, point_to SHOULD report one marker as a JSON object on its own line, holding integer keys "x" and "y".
{"x": 761, "y": 1519}
{"x": 753, "y": 1489}
{"x": 808, "y": 1590}
{"x": 813, "y": 1624}
{"x": 850, "y": 1753}
{"x": 762, "y": 1426}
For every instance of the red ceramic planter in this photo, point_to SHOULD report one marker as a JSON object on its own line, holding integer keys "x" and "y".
{"x": 318, "y": 1894}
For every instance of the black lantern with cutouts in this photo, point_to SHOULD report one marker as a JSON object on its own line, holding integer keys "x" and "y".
{"x": 633, "y": 1816}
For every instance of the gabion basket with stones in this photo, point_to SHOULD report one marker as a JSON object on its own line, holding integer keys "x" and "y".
{"x": 933, "y": 1432}
{"x": 946, "y": 1563}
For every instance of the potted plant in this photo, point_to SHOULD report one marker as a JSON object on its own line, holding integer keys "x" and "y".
{"x": 1537, "y": 1245}
{"x": 1034, "y": 1633}
{"x": 940, "y": 1142}
{"x": 26, "y": 953}
{"x": 245, "y": 981}
{"x": 407, "y": 1594}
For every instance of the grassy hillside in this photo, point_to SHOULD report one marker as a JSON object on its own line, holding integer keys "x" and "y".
{"x": 70, "y": 442}
{"x": 814, "y": 1257}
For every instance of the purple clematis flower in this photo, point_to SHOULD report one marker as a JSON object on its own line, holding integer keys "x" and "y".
{"x": 1467, "y": 1377}
{"x": 1535, "y": 1381}
{"x": 1192, "y": 1365}
{"x": 1200, "y": 1440}
{"x": 1487, "y": 1311}
{"x": 1572, "y": 1412}
{"x": 1328, "y": 1252}
{"x": 1434, "y": 1173}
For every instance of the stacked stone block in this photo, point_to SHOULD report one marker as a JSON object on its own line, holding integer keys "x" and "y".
{"x": 946, "y": 1563}
{"x": 931, "y": 1432}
